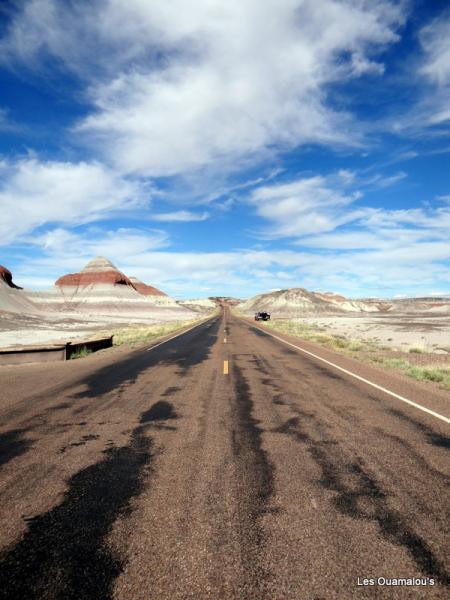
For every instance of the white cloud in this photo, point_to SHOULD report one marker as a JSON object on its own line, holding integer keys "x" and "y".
{"x": 433, "y": 110}
{"x": 177, "y": 89}
{"x": 435, "y": 39}
{"x": 351, "y": 247}
{"x": 324, "y": 212}
{"x": 180, "y": 216}
{"x": 94, "y": 242}
{"x": 33, "y": 193}
{"x": 416, "y": 268}
{"x": 306, "y": 206}
{"x": 380, "y": 182}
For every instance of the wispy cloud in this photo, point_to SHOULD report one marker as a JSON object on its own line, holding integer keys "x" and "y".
{"x": 325, "y": 212}
{"x": 35, "y": 193}
{"x": 435, "y": 39}
{"x": 430, "y": 112}
{"x": 307, "y": 206}
{"x": 180, "y": 216}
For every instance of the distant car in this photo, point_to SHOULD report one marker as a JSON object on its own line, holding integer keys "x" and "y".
{"x": 262, "y": 316}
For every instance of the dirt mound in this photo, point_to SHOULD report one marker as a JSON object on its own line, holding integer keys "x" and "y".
{"x": 144, "y": 289}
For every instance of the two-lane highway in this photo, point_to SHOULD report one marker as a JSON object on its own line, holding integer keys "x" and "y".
{"x": 222, "y": 464}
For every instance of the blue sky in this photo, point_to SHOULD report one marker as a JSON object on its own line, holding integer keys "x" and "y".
{"x": 228, "y": 148}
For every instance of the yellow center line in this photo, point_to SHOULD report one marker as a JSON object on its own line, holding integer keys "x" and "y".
{"x": 225, "y": 367}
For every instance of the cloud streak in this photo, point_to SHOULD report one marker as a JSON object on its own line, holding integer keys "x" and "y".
{"x": 180, "y": 216}
{"x": 35, "y": 193}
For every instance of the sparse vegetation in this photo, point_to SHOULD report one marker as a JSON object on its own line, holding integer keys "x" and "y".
{"x": 140, "y": 335}
{"x": 316, "y": 334}
{"x": 367, "y": 351}
{"x": 438, "y": 373}
{"x": 417, "y": 349}
{"x": 80, "y": 353}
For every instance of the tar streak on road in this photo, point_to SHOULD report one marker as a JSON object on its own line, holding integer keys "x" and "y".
{"x": 63, "y": 554}
{"x": 255, "y": 473}
{"x": 360, "y": 496}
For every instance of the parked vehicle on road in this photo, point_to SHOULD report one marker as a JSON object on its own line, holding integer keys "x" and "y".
{"x": 262, "y": 316}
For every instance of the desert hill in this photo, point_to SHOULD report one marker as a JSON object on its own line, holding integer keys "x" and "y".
{"x": 102, "y": 289}
{"x": 299, "y": 301}
{"x": 200, "y": 305}
{"x": 12, "y": 298}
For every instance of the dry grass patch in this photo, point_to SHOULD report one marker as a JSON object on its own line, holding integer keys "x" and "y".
{"x": 81, "y": 353}
{"x": 417, "y": 349}
{"x": 313, "y": 333}
{"x": 148, "y": 333}
{"x": 438, "y": 373}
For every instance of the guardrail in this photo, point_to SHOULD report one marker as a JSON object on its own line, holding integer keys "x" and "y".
{"x": 52, "y": 352}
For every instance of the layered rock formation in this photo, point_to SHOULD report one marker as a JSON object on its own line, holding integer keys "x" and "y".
{"x": 293, "y": 301}
{"x": 349, "y": 305}
{"x": 98, "y": 271}
{"x": 200, "y": 305}
{"x": 298, "y": 302}
{"x": 101, "y": 290}
{"x": 144, "y": 289}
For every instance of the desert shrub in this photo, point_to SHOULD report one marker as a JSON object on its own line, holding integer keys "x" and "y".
{"x": 437, "y": 373}
{"x": 417, "y": 349}
{"x": 81, "y": 353}
{"x": 355, "y": 346}
{"x": 148, "y": 333}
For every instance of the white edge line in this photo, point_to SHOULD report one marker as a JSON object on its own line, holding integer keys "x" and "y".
{"x": 378, "y": 387}
{"x": 175, "y": 336}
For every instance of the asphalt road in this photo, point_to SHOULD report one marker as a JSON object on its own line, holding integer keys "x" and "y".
{"x": 202, "y": 469}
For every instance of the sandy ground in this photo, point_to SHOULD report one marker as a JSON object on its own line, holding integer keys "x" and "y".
{"x": 25, "y": 330}
{"x": 397, "y": 332}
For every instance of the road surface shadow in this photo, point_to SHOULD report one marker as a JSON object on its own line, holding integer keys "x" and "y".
{"x": 64, "y": 553}
{"x": 360, "y": 496}
{"x": 436, "y": 439}
{"x": 12, "y": 444}
{"x": 83, "y": 441}
{"x": 126, "y": 371}
{"x": 161, "y": 411}
{"x": 258, "y": 332}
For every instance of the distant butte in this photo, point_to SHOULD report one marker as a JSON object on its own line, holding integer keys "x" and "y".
{"x": 98, "y": 270}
